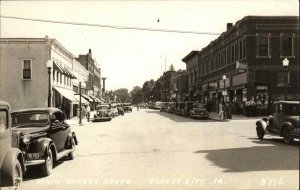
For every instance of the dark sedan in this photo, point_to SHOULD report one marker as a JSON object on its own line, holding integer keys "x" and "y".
{"x": 43, "y": 136}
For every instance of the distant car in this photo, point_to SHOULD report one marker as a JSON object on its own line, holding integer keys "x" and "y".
{"x": 164, "y": 106}
{"x": 102, "y": 113}
{"x": 157, "y": 105}
{"x": 199, "y": 111}
{"x": 171, "y": 107}
{"x": 127, "y": 108}
{"x": 284, "y": 122}
{"x": 12, "y": 165}
{"x": 113, "y": 110}
{"x": 43, "y": 136}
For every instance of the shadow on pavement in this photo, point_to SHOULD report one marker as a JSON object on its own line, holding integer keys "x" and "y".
{"x": 276, "y": 156}
{"x": 178, "y": 118}
{"x": 34, "y": 172}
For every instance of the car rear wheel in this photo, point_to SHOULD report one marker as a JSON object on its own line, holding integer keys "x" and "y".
{"x": 48, "y": 165}
{"x": 17, "y": 175}
{"x": 287, "y": 135}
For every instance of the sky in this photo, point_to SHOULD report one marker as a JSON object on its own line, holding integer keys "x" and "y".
{"x": 128, "y": 58}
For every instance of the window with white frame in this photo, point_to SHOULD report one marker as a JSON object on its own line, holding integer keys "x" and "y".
{"x": 263, "y": 46}
{"x": 27, "y": 69}
{"x": 281, "y": 78}
{"x": 286, "y": 45}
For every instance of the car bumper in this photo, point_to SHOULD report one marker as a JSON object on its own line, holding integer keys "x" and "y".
{"x": 296, "y": 134}
{"x": 101, "y": 118}
{"x": 34, "y": 162}
{"x": 201, "y": 115}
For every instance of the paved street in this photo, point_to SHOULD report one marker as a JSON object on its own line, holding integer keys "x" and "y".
{"x": 148, "y": 149}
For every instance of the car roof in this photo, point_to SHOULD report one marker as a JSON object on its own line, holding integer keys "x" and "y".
{"x": 49, "y": 110}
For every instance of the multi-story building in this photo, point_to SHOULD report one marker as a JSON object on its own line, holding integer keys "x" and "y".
{"x": 93, "y": 84}
{"x": 166, "y": 85}
{"x": 250, "y": 55}
{"x": 24, "y": 77}
{"x": 179, "y": 86}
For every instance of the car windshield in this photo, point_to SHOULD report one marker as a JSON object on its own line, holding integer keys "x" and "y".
{"x": 30, "y": 118}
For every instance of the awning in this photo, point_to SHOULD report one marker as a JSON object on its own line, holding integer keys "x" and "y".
{"x": 69, "y": 94}
{"x": 87, "y": 98}
{"x": 64, "y": 70}
{"x": 94, "y": 98}
{"x": 102, "y": 100}
{"x": 83, "y": 101}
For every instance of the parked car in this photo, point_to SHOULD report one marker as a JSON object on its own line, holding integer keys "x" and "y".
{"x": 164, "y": 106}
{"x": 157, "y": 105}
{"x": 284, "y": 121}
{"x": 12, "y": 165}
{"x": 43, "y": 136}
{"x": 199, "y": 111}
{"x": 127, "y": 108}
{"x": 180, "y": 108}
{"x": 187, "y": 108}
{"x": 113, "y": 110}
{"x": 171, "y": 107}
{"x": 102, "y": 113}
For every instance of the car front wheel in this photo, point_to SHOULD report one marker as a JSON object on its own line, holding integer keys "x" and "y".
{"x": 287, "y": 135}
{"x": 48, "y": 165}
{"x": 260, "y": 132}
{"x": 17, "y": 175}
{"x": 71, "y": 154}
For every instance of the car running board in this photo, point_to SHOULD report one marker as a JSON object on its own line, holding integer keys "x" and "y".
{"x": 63, "y": 153}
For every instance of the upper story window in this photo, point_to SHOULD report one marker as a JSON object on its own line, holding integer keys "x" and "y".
{"x": 26, "y": 69}
{"x": 286, "y": 45}
{"x": 263, "y": 46}
{"x": 281, "y": 78}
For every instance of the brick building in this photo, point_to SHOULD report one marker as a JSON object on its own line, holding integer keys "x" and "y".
{"x": 250, "y": 55}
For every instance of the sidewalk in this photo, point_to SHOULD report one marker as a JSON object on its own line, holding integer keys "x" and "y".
{"x": 215, "y": 116}
{"x": 74, "y": 121}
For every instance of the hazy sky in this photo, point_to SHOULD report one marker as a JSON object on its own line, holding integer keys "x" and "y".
{"x": 130, "y": 57}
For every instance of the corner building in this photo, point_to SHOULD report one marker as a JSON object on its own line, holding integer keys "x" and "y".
{"x": 250, "y": 54}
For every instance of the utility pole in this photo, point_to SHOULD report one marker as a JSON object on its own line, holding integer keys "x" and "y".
{"x": 80, "y": 109}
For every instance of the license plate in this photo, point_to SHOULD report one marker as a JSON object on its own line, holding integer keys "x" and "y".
{"x": 33, "y": 156}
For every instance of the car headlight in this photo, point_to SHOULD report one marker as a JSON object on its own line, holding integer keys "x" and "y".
{"x": 26, "y": 138}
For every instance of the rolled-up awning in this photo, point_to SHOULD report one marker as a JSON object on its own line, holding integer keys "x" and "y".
{"x": 69, "y": 94}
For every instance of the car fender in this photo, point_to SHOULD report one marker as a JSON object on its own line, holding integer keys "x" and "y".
{"x": 71, "y": 136}
{"x": 261, "y": 124}
{"x": 284, "y": 125}
{"x": 42, "y": 145}
{"x": 8, "y": 166}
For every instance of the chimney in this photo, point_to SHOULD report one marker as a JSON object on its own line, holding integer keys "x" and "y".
{"x": 90, "y": 52}
{"x": 103, "y": 87}
{"x": 229, "y": 25}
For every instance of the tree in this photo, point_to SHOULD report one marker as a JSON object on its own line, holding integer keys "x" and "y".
{"x": 136, "y": 95}
{"x": 147, "y": 88}
{"x": 122, "y": 95}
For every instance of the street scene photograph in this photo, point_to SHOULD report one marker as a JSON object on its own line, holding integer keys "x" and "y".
{"x": 149, "y": 95}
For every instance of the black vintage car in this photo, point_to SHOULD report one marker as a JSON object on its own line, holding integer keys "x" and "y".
{"x": 127, "y": 108}
{"x": 12, "y": 165}
{"x": 103, "y": 113}
{"x": 284, "y": 121}
{"x": 43, "y": 136}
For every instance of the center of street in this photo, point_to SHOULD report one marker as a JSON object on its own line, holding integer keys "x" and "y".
{"x": 157, "y": 150}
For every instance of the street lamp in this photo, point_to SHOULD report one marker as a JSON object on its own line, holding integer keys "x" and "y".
{"x": 224, "y": 94}
{"x": 49, "y": 66}
{"x": 285, "y": 64}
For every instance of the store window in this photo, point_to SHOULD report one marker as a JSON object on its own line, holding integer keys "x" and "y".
{"x": 263, "y": 46}
{"x": 286, "y": 44}
{"x": 26, "y": 69}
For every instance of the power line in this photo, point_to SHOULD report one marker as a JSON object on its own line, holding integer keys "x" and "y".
{"x": 109, "y": 26}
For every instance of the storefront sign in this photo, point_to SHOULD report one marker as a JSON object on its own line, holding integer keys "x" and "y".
{"x": 239, "y": 79}
{"x": 212, "y": 86}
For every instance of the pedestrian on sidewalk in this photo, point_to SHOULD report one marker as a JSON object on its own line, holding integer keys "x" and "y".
{"x": 88, "y": 111}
